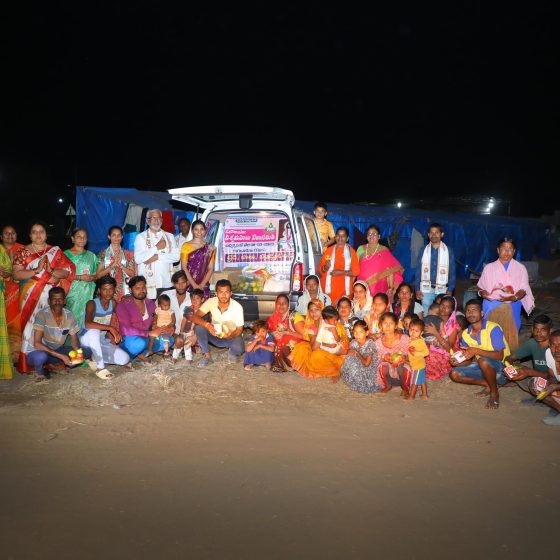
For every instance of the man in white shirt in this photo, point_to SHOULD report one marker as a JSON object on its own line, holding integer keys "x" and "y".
{"x": 180, "y": 299}
{"x": 155, "y": 251}
{"x": 226, "y": 328}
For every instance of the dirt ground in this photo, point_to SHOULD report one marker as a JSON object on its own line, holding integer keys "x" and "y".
{"x": 185, "y": 462}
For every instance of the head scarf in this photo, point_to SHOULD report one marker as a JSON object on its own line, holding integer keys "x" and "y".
{"x": 361, "y": 310}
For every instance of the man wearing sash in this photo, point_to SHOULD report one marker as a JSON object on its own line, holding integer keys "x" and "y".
{"x": 435, "y": 269}
{"x": 155, "y": 251}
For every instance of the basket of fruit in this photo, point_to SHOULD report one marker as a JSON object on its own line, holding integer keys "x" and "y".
{"x": 76, "y": 357}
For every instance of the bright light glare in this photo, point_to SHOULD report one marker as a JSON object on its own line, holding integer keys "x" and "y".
{"x": 491, "y": 204}
{"x": 399, "y": 204}
{"x": 61, "y": 200}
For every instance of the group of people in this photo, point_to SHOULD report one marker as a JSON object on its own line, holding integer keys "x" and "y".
{"x": 54, "y": 302}
{"x": 356, "y": 320}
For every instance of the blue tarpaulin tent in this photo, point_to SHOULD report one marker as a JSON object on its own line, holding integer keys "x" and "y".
{"x": 473, "y": 237}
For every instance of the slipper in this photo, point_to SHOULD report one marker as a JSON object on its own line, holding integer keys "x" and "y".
{"x": 492, "y": 404}
{"x": 104, "y": 374}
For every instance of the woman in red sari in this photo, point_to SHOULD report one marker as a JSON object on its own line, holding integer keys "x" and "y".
{"x": 339, "y": 267}
{"x": 11, "y": 293}
{"x": 38, "y": 267}
{"x": 287, "y": 331}
{"x": 378, "y": 267}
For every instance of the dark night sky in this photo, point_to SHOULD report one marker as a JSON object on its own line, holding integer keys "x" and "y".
{"x": 337, "y": 104}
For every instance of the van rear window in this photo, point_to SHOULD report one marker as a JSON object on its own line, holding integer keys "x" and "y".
{"x": 258, "y": 240}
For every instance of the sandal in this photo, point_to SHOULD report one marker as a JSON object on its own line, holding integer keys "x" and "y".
{"x": 104, "y": 374}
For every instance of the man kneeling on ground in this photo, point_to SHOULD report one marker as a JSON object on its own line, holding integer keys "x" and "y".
{"x": 226, "y": 327}
{"x": 550, "y": 395}
{"x": 51, "y": 327}
{"x": 484, "y": 346}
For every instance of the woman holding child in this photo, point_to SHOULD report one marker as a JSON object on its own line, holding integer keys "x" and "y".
{"x": 321, "y": 353}
{"x": 287, "y": 331}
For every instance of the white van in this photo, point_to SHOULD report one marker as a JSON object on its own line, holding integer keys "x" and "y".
{"x": 265, "y": 246}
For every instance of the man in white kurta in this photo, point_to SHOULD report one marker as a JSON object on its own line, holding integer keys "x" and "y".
{"x": 155, "y": 251}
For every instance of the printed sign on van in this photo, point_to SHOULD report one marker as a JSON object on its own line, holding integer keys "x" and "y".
{"x": 261, "y": 240}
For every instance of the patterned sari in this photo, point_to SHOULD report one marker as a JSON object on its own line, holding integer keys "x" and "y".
{"x": 6, "y": 367}
{"x": 81, "y": 292}
{"x": 317, "y": 363}
{"x": 11, "y": 297}
{"x": 284, "y": 345}
{"x": 106, "y": 258}
{"x": 34, "y": 292}
{"x": 197, "y": 263}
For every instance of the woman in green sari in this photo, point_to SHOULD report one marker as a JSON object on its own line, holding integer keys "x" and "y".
{"x": 6, "y": 366}
{"x": 83, "y": 285}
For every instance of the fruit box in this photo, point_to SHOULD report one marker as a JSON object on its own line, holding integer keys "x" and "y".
{"x": 250, "y": 283}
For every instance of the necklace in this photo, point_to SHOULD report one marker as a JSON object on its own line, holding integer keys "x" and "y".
{"x": 368, "y": 252}
{"x": 40, "y": 251}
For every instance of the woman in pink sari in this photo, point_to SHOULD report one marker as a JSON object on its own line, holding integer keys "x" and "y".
{"x": 504, "y": 289}
{"x": 446, "y": 340}
{"x": 197, "y": 259}
{"x": 38, "y": 267}
{"x": 378, "y": 267}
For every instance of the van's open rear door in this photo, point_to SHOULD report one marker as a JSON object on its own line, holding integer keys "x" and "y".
{"x": 205, "y": 197}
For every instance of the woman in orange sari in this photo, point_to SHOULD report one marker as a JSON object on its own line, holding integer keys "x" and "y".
{"x": 38, "y": 267}
{"x": 339, "y": 267}
{"x": 308, "y": 357}
{"x": 11, "y": 293}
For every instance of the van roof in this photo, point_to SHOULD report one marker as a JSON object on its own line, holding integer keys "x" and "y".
{"x": 208, "y": 195}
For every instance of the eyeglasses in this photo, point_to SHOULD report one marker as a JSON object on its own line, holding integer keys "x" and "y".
{"x": 372, "y": 235}
{"x": 156, "y": 218}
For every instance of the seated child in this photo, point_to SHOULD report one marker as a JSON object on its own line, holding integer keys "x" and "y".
{"x": 359, "y": 368}
{"x": 417, "y": 352}
{"x": 379, "y": 305}
{"x": 186, "y": 339}
{"x": 163, "y": 317}
{"x": 260, "y": 348}
{"x": 328, "y": 337}
{"x": 408, "y": 316}
{"x": 432, "y": 319}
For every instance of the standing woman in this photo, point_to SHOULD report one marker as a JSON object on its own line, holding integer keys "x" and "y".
{"x": 339, "y": 267}
{"x": 378, "y": 267}
{"x": 116, "y": 262}
{"x": 6, "y": 366}
{"x": 83, "y": 285}
{"x": 197, "y": 259}
{"x": 11, "y": 293}
{"x": 38, "y": 267}
{"x": 504, "y": 289}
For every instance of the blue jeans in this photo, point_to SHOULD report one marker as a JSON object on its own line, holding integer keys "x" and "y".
{"x": 473, "y": 370}
{"x": 38, "y": 358}
{"x": 236, "y": 345}
{"x": 135, "y": 345}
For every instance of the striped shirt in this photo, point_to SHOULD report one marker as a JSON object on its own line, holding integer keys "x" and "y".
{"x": 54, "y": 335}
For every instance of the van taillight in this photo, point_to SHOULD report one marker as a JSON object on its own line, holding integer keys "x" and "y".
{"x": 297, "y": 277}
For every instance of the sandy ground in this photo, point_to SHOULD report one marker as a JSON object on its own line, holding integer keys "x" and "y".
{"x": 187, "y": 462}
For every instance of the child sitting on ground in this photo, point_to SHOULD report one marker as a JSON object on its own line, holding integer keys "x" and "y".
{"x": 329, "y": 337}
{"x": 417, "y": 352}
{"x": 260, "y": 348}
{"x": 432, "y": 319}
{"x": 163, "y": 317}
{"x": 186, "y": 339}
{"x": 408, "y": 316}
